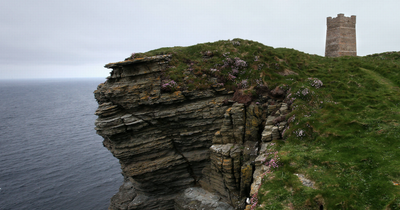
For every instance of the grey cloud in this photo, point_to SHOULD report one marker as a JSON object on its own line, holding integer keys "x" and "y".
{"x": 77, "y": 34}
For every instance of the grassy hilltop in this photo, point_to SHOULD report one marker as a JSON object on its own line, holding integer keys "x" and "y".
{"x": 344, "y": 130}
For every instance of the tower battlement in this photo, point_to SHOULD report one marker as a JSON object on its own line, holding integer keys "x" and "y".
{"x": 341, "y": 21}
{"x": 341, "y": 36}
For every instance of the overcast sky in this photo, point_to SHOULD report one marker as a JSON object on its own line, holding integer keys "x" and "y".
{"x": 75, "y": 38}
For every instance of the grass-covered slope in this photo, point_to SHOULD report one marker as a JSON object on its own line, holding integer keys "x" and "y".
{"x": 344, "y": 135}
{"x": 351, "y": 145}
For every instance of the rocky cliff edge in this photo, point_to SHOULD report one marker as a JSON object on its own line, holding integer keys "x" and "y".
{"x": 198, "y": 149}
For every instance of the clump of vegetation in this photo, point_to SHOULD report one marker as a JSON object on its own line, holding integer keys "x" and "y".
{"x": 237, "y": 64}
{"x": 344, "y": 130}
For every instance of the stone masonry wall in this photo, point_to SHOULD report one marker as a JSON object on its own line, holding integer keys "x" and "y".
{"x": 341, "y": 36}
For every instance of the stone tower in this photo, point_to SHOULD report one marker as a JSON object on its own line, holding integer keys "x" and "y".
{"x": 341, "y": 36}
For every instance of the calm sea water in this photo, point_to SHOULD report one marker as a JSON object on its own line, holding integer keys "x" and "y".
{"x": 50, "y": 154}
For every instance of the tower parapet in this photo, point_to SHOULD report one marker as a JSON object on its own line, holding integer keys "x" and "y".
{"x": 341, "y": 36}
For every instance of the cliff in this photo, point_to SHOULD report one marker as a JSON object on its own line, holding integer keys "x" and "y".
{"x": 168, "y": 143}
{"x": 238, "y": 125}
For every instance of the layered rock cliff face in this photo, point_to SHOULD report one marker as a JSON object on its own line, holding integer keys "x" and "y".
{"x": 185, "y": 149}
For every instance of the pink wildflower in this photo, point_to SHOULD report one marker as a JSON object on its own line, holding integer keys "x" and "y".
{"x": 231, "y": 77}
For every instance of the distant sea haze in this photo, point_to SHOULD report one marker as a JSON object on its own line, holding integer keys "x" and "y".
{"x": 50, "y": 154}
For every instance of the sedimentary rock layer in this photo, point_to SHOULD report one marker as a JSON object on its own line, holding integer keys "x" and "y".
{"x": 168, "y": 143}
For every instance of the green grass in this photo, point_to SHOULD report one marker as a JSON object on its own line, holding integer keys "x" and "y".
{"x": 351, "y": 149}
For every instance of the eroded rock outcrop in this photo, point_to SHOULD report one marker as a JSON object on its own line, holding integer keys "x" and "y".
{"x": 176, "y": 149}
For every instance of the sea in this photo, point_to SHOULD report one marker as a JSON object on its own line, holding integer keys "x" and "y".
{"x": 50, "y": 154}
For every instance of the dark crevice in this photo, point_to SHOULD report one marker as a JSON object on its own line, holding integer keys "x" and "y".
{"x": 189, "y": 168}
{"x": 231, "y": 120}
{"x": 245, "y": 125}
{"x": 260, "y": 130}
{"x": 241, "y": 153}
{"x": 279, "y": 132}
